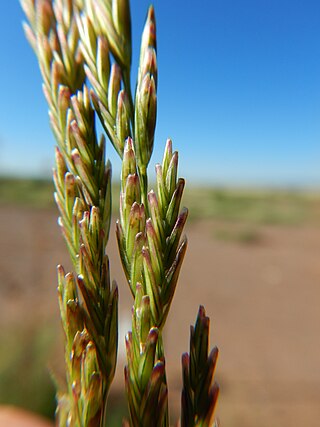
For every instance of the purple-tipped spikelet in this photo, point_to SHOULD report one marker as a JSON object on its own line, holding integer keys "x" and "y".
{"x": 145, "y": 120}
{"x": 144, "y": 374}
{"x": 200, "y": 392}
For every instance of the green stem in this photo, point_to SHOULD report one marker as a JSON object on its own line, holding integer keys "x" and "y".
{"x": 103, "y": 422}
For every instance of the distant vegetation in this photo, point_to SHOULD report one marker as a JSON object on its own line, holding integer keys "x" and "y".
{"x": 254, "y": 206}
{"x": 26, "y": 192}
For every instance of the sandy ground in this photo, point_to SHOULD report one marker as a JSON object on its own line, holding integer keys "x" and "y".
{"x": 14, "y": 417}
{"x": 263, "y": 300}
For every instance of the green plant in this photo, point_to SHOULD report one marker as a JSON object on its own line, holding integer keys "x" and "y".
{"x": 88, "y": 42}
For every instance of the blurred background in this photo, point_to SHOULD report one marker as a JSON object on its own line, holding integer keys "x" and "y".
{"x": 239, "y": 94}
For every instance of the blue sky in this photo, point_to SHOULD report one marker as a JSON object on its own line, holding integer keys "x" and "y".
{"x": 239, "y": 91}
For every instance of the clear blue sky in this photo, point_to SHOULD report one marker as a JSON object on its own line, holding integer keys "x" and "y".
{"x": 239, "y": 91}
